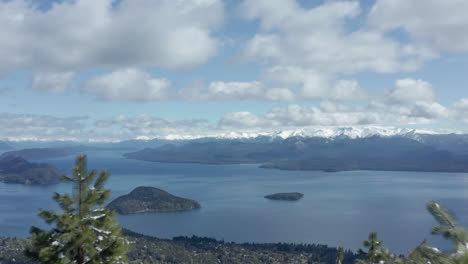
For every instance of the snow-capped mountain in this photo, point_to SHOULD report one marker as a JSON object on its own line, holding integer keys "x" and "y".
{"x": 321, "y": 132}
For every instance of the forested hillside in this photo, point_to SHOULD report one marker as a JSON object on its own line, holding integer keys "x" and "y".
{"x": 197, "y": 250}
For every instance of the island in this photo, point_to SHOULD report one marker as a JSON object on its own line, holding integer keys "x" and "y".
{"x": 15, "y": 169}
{"x": 292, "y": 196}
{"x": 149, "y": 199}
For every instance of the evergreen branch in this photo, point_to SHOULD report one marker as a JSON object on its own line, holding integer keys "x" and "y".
{"x": 441, "y": 214}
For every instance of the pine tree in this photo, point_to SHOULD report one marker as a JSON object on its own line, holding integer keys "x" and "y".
{"x": 448, "y": 229}
{"x": 375, "y": 254}
{"x": 86, "y": 231}
{"x": 339, "y": 255}
{"x": 424, "y": 253}
{"x": 373, "y": 245}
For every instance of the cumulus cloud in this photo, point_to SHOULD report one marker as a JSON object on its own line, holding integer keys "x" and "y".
{"x": 293, "y": 116}
{"x": 316, "y": 38}
{"x": 148, "y": 127}
{"x": 54, "y": 82}
{"x": 280, "y": 94}
{"x": 74, "y": 35}
{"x": 428, "y": 110}
{"x": 232, "y": 91}
{"x": 441, "y": 24}
{"x": 235, "y": 90}
{"x": 314, "y": 85}
{"x": 43, "y": 127}
{"x": 18, "y": 127}
{"x": 128, "y": 85}
{"x": 306, "y": 49}
{"x": 411, "y": 90}
{"x": 278, "y": 118}
{"x": 460, "y": 110}
{"x": 241, "y": 120}
{"x": 334, "y": 114}
{"x": 348, "y": 90}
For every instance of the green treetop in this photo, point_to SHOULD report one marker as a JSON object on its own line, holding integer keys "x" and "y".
{"x": 85, "y": 231}
{"x": 339, "y": 255}
{"x": 375, "y": 253}
{"x": 424, "y": 254}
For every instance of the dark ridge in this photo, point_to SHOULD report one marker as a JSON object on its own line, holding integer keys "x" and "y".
{"x": 15, "y": 169}
{"x": 298, "y": 153}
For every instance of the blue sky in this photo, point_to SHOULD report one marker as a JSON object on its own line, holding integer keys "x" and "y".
{"x": 115, "y": 70}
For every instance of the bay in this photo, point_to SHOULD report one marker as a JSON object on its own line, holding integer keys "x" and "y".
{"x": 337, "y": 209}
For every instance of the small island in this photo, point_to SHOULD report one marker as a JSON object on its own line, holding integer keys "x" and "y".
{"x": 149, "y": 199}
{"x": 15, "y": 169}
{"x": 292, "y": 196}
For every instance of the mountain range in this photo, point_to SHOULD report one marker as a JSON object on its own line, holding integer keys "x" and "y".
{"x": 325, "y": 149}
{"x": 328, "y": 149}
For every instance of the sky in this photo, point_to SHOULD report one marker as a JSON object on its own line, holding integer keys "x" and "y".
{"x": 110, "y": 70}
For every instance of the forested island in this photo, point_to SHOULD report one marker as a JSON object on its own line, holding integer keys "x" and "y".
{"x": 14, "y": 169}
{"x": 149, "y": 199}
{"x": 292, "y": 196}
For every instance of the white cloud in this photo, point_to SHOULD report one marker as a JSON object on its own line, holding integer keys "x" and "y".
{"x": 235, "y": 90}
{"x": 280, "y": 94}
{"x": 348, "y": 90}
{"x": 232, "y": 91}
{"x": 315, "y": 85}
{"x": 441, "y": 24}
{"x": 18, "y": 127}
{"x": 240, "y": 120}
{"x": 334, "y": 114}
{"x": 54, "y": 82}
{"x": 289, "y": 117}
{"x": 428, "y": 110}
{"x": 460, "y": 110}
{"x": 306, "y": 49}
{"x": 74, "y": 35}
{"x": 149, "y": 127}
{"x": 317, "y": 38}
{"x": 411, "y": 90}
{"x": 43, "y": 127}
{"x": 128, "y": 85}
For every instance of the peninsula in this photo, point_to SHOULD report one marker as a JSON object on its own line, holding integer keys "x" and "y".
{"x": 15, "y": 169}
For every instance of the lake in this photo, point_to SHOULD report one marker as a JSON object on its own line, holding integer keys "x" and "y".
{"x": 337, "y": 209}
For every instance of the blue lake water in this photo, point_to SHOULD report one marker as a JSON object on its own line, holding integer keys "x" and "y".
{"x": 337, "y": 209}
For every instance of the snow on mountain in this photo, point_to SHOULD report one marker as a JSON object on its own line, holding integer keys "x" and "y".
{"x": 322, "y": 132}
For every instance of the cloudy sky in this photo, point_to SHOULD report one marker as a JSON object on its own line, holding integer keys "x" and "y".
{"x": 123, "y": 69}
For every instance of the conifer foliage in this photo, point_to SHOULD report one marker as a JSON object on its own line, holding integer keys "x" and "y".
{"x": 449, "y": 230}
{"x": 425, "y": 254}
{"x": 339, "y": 255}
{"x": 86, "y": 231}
{"x": 375, "y": 254}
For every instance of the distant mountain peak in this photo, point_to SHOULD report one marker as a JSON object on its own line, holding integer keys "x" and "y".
{"x": 307, "y": 132}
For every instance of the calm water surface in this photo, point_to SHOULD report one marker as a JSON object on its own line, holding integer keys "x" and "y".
{"x": 337, "y": 209}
